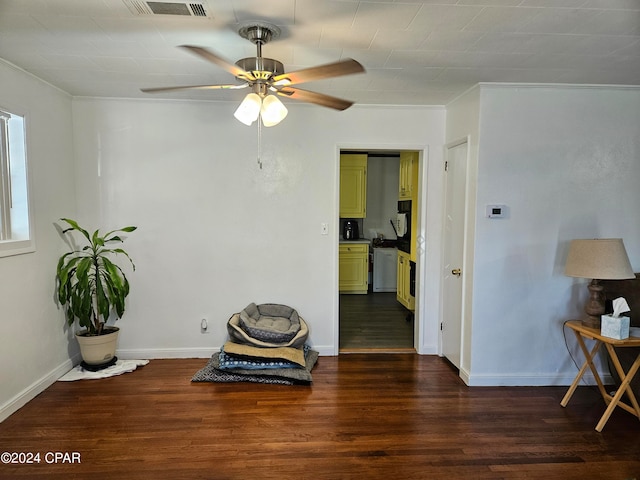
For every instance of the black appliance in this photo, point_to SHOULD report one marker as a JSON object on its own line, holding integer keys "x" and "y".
{"x": 404, "y": 238}
{"x": 412, "y": 278}
{"x": 350, "y": 230}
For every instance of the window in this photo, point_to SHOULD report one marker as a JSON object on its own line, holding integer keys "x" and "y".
{"x": 15, "y": 224}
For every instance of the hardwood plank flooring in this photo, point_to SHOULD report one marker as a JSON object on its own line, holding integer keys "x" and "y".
{"x": 374, "y": 322}
{"x": 372, "y": 416}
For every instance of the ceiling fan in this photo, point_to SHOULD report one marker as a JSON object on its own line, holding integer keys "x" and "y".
{"x": 266, "y": 78}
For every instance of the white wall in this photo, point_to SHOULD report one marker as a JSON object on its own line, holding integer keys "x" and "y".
{"x": 566, "y": 162}
{"x": 216, "y": 231}
{"x": 382, "y": 195}
{"x": 35, "y": 349}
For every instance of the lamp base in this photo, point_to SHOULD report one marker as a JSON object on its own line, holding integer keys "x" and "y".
{"x": 592, "y": 322}
{"x": 595, "y": 305}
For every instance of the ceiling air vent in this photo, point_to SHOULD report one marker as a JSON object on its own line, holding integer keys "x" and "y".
{"x": 189, "y": 9}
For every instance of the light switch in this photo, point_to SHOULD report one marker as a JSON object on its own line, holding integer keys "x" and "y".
{"x": 324, "y": 229}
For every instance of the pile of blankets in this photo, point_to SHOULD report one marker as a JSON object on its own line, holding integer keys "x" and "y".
{"x": 267, "y": 344}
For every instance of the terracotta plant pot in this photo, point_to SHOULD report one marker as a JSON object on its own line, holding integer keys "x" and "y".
{"x": 98, "y": 349}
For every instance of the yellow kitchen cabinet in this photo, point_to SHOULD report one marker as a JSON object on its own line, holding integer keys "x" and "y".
{"x": 403, "y": 293}
{"x": 354, "y": 268}
{"x": 353, "y": 185}
{"x": 408, "y": 175}
{"x": 408, "y": 190}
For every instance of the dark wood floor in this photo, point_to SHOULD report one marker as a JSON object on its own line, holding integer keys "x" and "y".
{"x": 376, "y": 321}
{"x": 373, "y": 416}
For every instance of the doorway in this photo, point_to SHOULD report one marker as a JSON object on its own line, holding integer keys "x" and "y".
{"x": 376, "y": 321}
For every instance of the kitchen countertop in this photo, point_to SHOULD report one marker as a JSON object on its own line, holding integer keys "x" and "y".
{"x": 360, "y": 240}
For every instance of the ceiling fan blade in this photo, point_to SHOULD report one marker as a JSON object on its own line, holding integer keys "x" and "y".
{"x": 314, "y": 97}
{"x": 193, "y": 87}
{"x": 221, "y": 62}
{"x": 336, "y": 69}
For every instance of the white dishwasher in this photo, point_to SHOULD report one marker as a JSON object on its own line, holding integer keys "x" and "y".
{"x": 385, "y": 269}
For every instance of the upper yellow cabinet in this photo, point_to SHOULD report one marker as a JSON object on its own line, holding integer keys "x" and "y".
{"x": 353, "y": 185}
{"x": 408, "y": 175}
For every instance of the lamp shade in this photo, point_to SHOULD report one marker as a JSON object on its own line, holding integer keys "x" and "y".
{"x": 273, "y": 111}
{"x": 249, "y": 109}
{"x": 600, "y": 258}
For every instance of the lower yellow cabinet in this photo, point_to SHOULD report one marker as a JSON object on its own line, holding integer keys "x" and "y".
{"x": 354, "y": 268}
{"x": 403, "y": 292}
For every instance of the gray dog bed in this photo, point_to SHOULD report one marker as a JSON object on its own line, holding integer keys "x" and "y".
{"x": 238, "y": 335}
{"x": 270, "y": 322}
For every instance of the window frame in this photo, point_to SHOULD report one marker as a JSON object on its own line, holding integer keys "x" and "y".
{"x": 10, "y": 247}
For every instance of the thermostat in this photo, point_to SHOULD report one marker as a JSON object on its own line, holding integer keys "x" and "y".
{"x": 496, "y": 211}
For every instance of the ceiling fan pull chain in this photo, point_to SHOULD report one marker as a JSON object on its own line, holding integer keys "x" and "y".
{"x": 259, "y": 144}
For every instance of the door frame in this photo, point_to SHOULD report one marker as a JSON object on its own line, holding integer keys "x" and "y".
{"x": 423, "y": 158}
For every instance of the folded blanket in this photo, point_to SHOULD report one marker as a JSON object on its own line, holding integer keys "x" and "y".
{"x": 238, "y": 335}
{"x": 287, "y": 376}
{"x": 289, "y": 354}
{"x": 230, "y": 361}
{"x": 270, "y": 322}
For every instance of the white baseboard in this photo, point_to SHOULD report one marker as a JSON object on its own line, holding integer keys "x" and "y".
{"x": 464, "y": 375}
{"x": 428, "y": 349}
{"x": 33, "y": 390}
{"x": 324, "y": 350}
{"x": 156, "y": 353}
{"x": 528, "y": 380}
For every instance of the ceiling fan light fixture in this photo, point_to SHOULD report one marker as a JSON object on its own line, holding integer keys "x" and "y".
{"x": 249, "y": 110}
{"x": 273, "y": 111}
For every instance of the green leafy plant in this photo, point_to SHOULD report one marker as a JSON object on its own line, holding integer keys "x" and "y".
{"x": 89, "y": 284}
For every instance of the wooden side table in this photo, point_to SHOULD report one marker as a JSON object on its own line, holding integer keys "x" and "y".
{"x": 614, "y": 401}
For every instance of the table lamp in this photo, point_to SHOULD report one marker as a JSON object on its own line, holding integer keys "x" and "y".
{"x": 597, "y": 259}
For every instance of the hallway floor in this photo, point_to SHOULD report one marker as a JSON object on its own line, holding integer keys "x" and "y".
{"x": 374, "y": 322}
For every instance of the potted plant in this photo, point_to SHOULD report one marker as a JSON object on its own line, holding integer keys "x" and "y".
{"x": 92, "y": 289}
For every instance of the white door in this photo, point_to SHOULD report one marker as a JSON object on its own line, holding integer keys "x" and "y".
{"x": 455, "y": 200}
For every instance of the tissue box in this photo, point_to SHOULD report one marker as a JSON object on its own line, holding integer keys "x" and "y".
{"x": 614, "y": 327}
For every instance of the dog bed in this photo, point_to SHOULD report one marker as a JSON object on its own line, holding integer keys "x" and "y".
{"x": 239, "y": 335}
{"x": 270, "y": 322}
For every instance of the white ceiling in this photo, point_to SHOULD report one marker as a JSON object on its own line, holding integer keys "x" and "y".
{"x": 415, "y": 52}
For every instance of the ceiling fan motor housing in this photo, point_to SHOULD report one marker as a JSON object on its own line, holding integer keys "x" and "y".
{"x": 261, "y": 68}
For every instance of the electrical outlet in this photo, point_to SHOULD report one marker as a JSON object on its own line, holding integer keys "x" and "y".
{"x": 204, "y": 326}
{"x": 324, "y": 229}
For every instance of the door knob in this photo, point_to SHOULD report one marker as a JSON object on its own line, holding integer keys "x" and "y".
{"x": 457, "y": 272}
